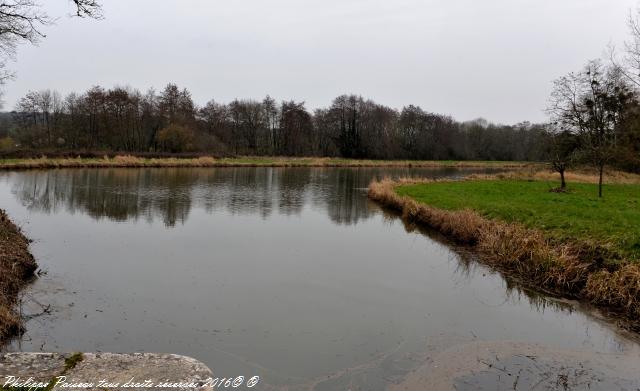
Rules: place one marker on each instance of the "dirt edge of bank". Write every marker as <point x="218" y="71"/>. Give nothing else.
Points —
<point x="17" y="267"/>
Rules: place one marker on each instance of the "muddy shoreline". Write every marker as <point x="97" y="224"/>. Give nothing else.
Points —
<point x="17" y="267"/>
<point x="561" y="269"/>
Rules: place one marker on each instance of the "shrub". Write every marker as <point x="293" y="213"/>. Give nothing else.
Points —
<point x="176" y="138"/>
<point x="7" y="144"/>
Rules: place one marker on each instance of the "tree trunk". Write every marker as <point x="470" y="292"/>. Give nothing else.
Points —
<point x="600" y="181"/>
<point x="563" y="184"/>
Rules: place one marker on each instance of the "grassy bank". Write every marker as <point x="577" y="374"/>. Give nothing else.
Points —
<point x="572" y="243"/>
<point x="205" y="161"/>
<point x="612" y="222"/>
<point x="16" y="270"/>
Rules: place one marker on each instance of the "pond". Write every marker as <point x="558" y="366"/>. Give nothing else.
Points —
<point x="291" y="274"/>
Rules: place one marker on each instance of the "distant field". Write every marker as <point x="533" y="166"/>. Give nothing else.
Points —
<point x="578" y="214"/>
<point x="133" y="161"/>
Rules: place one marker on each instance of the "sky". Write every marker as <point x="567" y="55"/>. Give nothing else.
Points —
<point x="494" y="59"/>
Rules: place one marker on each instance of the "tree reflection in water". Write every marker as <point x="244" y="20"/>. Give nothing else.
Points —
<point x="123" y="194"/>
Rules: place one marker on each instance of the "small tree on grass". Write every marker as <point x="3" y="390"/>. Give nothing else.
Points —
<point x="562" y="153"/>
<point x="591" y="104"/>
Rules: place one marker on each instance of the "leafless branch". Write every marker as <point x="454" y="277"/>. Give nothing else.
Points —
<point x="88" y="9"/>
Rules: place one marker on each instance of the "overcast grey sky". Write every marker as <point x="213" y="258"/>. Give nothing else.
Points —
<point x="468" y="58"/>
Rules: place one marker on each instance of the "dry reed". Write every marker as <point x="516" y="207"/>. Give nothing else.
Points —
<point x="208" y="161"/>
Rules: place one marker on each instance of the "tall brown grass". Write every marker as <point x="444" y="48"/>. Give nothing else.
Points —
<point x="582" y="175"/>
<point x="568" y="269"/>
<point x="208" y="161"/>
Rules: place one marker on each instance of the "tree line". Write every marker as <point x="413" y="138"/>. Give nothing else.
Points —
<point x="594" y="117"/>
<point x="121" y="119"/>
<point x="127" y="120"/>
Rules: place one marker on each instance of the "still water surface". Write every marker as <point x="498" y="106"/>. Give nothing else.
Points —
<point x="286" y="273"/>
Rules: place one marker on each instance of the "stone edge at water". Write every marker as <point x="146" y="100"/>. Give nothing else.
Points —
<point x="114" y="368"/>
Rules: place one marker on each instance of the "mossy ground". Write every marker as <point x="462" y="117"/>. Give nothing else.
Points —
<point x="69" y="363"/>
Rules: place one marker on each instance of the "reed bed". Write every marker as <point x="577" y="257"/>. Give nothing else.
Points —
<point x="571" y="269"/>
<point x="208" y="161"/>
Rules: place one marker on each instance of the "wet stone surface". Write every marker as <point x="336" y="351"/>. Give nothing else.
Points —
<point x="40" y="366"/>
<point x="100" y="371"/>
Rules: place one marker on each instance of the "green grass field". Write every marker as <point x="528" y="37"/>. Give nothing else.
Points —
<point x="579" y="214"/>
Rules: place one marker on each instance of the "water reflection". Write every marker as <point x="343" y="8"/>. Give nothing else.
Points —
<point x="467" y="266"/>
<point x="170" y="194"/>
<point x="263" y="271"/>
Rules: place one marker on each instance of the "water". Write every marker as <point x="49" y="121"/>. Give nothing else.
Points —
<point x="286" y="273"/>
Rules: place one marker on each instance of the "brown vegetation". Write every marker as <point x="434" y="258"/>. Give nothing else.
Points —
<point x="570" y="269"/>
<point x="208" y="161"/>
<point x="16" y="270"/>
<point x="582" y="175"/>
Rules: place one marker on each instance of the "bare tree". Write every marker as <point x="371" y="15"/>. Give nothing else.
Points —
<point x="345" y="112"/>
<point x="88" y="9"/>
<point x="563" y="147"/>
<point x="296" y="127"/>
<point x="629" y="63"/>
<point x="22" y="21"/>
<point x="271" y="118"/>
<point x="591" y="104"/>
